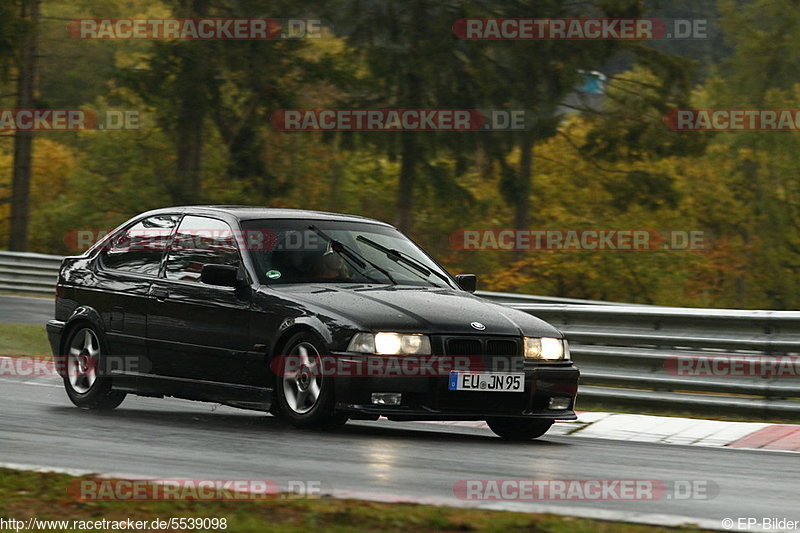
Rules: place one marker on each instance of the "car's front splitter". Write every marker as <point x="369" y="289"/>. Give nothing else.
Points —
<point x="371" y="412"/>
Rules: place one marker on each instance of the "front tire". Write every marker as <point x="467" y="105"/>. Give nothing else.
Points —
<point x="85" y="388"/>
<point x="305" y="397"/>
<point x="519" y="429"/>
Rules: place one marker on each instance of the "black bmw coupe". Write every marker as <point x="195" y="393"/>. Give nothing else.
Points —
<point x="315" y="317"/>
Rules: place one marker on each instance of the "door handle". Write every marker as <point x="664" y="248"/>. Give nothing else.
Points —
<point x="159" y="294"/>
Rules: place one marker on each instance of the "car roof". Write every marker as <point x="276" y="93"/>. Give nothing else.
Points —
<point x="249" y="212"/>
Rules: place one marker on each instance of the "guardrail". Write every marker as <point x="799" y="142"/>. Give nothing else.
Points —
<point x="700" y="361"/>
<point x="28" y="273"/>
<point x="628" y="354"/>
<point x="511" y="298"/>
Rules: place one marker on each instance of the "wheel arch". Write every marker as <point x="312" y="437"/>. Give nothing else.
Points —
<point x="290" y="328"/>
<point x="83" y="315"/>
<point x="286" y="333"/>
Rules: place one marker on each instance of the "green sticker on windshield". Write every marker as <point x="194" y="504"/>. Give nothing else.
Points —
<point x="273" y="274"/>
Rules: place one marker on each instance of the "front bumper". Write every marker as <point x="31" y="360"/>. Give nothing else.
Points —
<point x="429" y="398"/>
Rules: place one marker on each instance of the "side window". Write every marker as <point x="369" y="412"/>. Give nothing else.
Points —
<point x="200" y="241"/>
<point x="139" y="248"/>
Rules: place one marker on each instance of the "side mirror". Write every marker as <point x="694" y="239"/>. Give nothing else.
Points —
<point x="221" y="275"/>
<point x="468" y="282"/>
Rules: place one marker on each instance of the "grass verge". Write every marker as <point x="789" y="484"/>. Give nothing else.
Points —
<point x="45" y="496"/>
<point x="23" y="339"/>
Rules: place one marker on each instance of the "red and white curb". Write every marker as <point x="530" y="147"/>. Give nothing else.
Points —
<point x="673" y="430"/>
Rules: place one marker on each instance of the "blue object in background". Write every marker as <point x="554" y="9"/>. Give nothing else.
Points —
<point x="593" y="82"/>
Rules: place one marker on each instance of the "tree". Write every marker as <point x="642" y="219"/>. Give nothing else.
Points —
<point x="410" y="60"/>
<point x="195" y="85"/>
<point x="23" y="140"/>
<point x="765" y="163"/>
<point x="536" y="76"/>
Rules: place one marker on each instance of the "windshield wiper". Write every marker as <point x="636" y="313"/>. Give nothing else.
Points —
<point x="353" y="256"/>
<point x="400" y="257"/>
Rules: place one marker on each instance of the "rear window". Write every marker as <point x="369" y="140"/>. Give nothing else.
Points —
<point x="140" y="247"/>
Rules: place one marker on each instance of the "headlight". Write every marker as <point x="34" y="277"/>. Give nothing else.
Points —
<point x="546" y="348"/>
<point x="385" y="343"/>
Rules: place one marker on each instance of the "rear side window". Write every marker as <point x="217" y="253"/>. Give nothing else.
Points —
<point x="200" y="241"/>
<point x="139" y="248"/>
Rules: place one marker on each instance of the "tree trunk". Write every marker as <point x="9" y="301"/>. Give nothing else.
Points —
<point x="23" y="140"/>
<point x="190" y="151"/>
<point x="337" y="176"/>
<point x="405" y="187"/>
<point x="522" y="199"/>
<point x="410" y="97"/>
<point x="192" y="111"/>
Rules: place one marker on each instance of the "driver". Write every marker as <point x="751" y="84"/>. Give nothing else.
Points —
<point x="328" y="265"/>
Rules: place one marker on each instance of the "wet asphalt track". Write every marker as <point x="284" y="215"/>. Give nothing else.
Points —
<point x="378" y="460"/>
<point x="21" y="310"/>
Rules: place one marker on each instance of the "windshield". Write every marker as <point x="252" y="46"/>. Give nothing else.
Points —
<point x="305" y="251"/>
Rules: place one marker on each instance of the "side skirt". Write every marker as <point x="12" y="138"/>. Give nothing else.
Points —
<point x="239" y="396"/>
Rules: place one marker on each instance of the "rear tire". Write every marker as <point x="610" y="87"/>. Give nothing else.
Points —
<point x="306" y="398"/>
<point x="519" y="429"/>
<point x="87" y="390"/>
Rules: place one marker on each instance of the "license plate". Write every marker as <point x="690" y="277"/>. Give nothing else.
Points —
<point x="488" y="381"/>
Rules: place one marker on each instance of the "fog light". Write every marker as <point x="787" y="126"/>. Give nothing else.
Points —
<point x="559" y="403"/>
<point x="386" y="398"/>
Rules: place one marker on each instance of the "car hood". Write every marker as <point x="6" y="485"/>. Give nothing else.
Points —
<point x="415" y="309"/>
